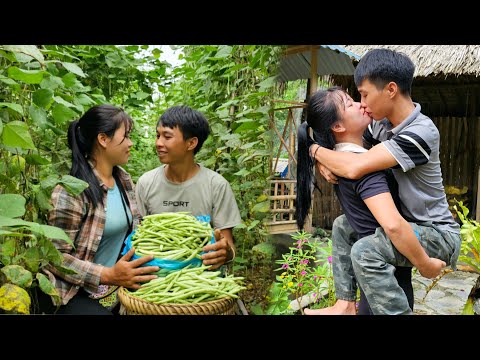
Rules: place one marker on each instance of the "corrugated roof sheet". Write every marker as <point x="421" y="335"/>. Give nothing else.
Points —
<point x="331" y="60"/>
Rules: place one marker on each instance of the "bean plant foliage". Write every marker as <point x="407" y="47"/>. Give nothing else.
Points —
<point x="470" y="232"/>
<point x="43" y="88"/>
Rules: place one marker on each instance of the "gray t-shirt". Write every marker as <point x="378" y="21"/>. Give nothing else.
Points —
<point x="415" y="144"/>
<point x="207" y="193"/>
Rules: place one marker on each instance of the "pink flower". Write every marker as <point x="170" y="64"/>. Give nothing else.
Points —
<point x="300" y="284"/>
<point x="303" y="272"/>
<point x="329" y="259"/>
<point x="304" y="261"/>
<point x="285" y="266"/>
<point x="315" y="277"/>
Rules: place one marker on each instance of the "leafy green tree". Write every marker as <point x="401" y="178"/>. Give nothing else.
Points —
<point x="42" y="89"/>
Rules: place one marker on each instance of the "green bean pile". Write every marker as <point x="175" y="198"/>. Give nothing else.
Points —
<point x="172" y="236"/>
<point x="189" y="285"/>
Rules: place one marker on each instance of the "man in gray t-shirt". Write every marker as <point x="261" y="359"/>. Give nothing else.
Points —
<point x="180" y="184"/>
<point x="408" y="142"/>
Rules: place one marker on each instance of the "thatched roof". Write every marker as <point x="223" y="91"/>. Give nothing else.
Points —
<point x="434" y="59"/>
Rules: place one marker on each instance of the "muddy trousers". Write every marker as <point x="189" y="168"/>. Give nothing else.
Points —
<point x="370" y="262"/>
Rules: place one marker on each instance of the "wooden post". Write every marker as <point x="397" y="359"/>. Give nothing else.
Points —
<point x="313" y="70"/>
<point x="313" y="89"/>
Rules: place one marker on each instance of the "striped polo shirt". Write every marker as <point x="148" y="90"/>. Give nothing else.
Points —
<point x="415" y="144"/>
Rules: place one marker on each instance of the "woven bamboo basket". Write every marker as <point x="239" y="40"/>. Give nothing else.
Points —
<point x="135" y="306"/>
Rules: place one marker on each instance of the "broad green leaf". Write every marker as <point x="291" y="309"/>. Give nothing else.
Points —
<point x="32" y="259"/>
<point x="253" y="224"/>
<point x="224" y="52"/>
<point x="133" y="48"/>
<point x="27" y="60"/>
<point x="43" y="200"/>
<point x="265" y="248"/>
<point x="60" y="100"/>
<point x="246" y="126"/>
<point x="53" y="232"/>
<point x="14" y="299"/>
<point x="45" y="230"/>
<point x="10" y="56"/>
<point x="42" y="97"/>
<point x="73" y="185"/>
<point x="62" y="114"/>
<point x="7" y="80"/>
<point x="12" y="205"/>
<point x="84" y="100"/>
<point x="240" y="260"/>
<point x="6" y="221"/>
<point x="141" y="95"/>
<point x="262" y="197"/>
<point x="15" y="134"/>
<point x="15" y="107"/>
<point x="50" y="252"/>
<point x="267" y="83"/>
<point x="27" y="76"/>
<point x="242" y="172"/>
<point x="30" y="50"/>
<point x="74" y="68"/>
<point x="8" y="247"/>
<point x="35" y="159"/>
<point x="55" y="129"/>
<point x="256" y="309"/>
<point x="64" y="269"/>
<point x="51" y="82"/>
<point x="49" y="183"/>
<point x="248" y="145"/>
<point x="10" y="233"/>
<point x="156" y="53"/>
<point x="17" y="275"/>
<point x="264" y="109"/>
<point x="69" y="80"/>
<point x="262" y="207"/>
<point x="38" y="115"/>
<point x="47" y="287"/>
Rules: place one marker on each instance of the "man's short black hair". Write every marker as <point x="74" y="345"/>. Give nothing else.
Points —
<point x="192" y="123"/>
<point x="381" y="66"/>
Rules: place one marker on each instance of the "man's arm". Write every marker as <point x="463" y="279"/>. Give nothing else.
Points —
<point x="401" y="234"/>
<point x="354" y="166"/>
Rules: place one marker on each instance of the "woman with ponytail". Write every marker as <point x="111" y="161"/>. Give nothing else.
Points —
<point x="98" y="220"/>
<point x="337" y="122"/>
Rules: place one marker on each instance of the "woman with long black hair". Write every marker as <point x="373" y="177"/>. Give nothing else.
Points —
<point x="369" y="203"/>
<point x="98" y="220"/>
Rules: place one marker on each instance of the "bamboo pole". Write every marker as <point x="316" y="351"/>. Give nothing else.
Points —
<point x="313" y="70"/>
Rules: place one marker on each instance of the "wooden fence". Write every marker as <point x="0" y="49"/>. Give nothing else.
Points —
<point x="282" y="190"/>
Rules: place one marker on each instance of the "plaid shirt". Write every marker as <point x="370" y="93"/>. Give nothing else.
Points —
<point x="84" y="225"/>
